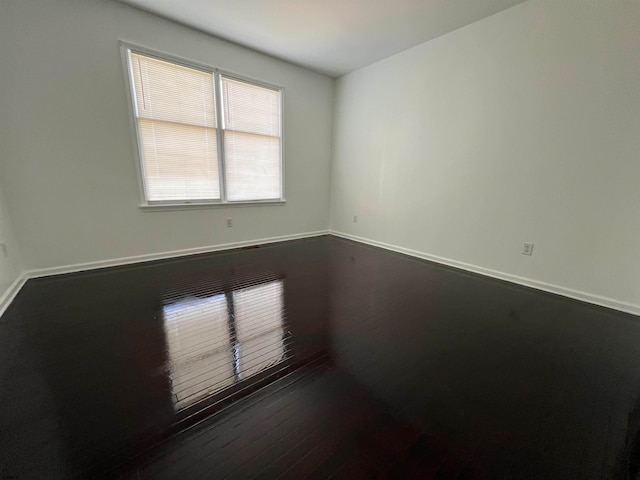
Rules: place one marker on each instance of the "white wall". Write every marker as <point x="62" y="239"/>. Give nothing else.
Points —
<point x="69" y="168"/>
<point x="522" y="127"/>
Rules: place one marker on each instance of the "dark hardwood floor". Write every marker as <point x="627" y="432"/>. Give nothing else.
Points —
<point x="317" y="358"/>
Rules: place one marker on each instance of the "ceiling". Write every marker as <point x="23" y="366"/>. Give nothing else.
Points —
<point x="333" y="37"/>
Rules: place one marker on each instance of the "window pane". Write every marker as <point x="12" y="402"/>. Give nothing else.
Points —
<point x="166" y="91"/>
<point x="253" y="166"/>
<point x="180" y="161"/>
<point x="251" y="108"/>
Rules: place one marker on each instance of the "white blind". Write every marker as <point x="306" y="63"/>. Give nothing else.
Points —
<point x="176" y="115"/>
<point x="251" y="140"/>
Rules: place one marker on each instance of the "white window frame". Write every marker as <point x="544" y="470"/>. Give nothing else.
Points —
<point x="125" y="49"/>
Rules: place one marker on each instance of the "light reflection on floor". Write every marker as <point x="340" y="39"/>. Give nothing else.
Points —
<point x="217" y="341"/>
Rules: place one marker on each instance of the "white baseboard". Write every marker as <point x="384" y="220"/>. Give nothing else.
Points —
<point x="12" y="291"/>
<point x="546" y="287"/>
<point x="16" y="286"/>
<point x="81" y="267"/>
<point x="7" y="297"/>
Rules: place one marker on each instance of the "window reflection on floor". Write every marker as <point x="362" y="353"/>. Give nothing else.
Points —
<point x="217" y="341"/>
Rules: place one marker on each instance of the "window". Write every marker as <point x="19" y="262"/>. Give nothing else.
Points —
<point x="218" y="341"/>
<point x="204" y="136"/>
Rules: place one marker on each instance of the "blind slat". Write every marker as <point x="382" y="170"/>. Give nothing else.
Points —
<point x="177" y="130"/>
<point x="253" y="166"/>
<point x="250" y="108"/>
<point x="251" y="140"/>
<point x="166" y="91"/>
<point x="180" y="161"/>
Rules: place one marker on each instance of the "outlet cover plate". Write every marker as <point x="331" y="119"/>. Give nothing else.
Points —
<point x="527" y="249"/>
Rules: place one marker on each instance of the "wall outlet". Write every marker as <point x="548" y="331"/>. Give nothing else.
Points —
<point x="527" y="249"/>
<point x="229" y="223"/>
<point x="4" y="249"/>
<point x="355" y="219"/>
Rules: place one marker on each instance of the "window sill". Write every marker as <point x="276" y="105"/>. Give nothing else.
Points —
<point x="160" y="207"/>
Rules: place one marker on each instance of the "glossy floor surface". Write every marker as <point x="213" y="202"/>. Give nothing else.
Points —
<point x="317" y="358"/>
